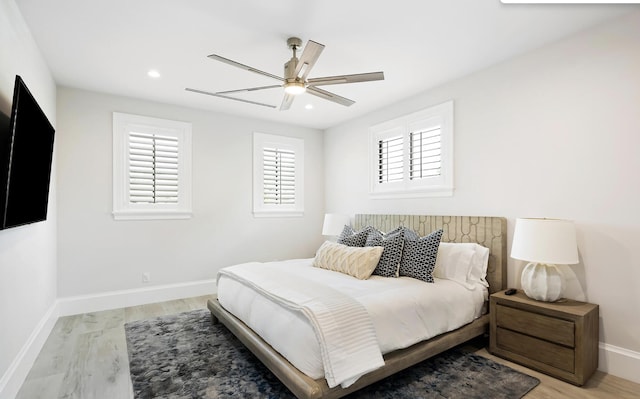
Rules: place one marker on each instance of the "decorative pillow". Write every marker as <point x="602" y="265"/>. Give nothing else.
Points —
<point x="419" y="256"/>
<point x="409" y="234"/>
<point x="354" y="261"/>
<point x="392" y="242"/>
<point x="354" y="238"/>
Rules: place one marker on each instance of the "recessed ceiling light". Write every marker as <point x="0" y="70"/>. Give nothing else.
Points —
<point x="153" y="73"/>
<point x="308" y="106"/>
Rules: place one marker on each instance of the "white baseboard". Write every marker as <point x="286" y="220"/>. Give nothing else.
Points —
<point x="125" y="298"/>
<point x="15" y="375"/>
<point x="621" y="362"/>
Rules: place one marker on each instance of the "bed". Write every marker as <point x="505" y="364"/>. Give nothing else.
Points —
<point x="489" y="232"/>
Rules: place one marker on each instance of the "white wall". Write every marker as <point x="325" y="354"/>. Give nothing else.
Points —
<point x="98" y="254"/>
<point x="27" y="253"/>
<point x="554" y="133"/>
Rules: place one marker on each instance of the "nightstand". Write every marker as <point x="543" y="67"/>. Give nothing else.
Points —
<point x="556" y="338"/>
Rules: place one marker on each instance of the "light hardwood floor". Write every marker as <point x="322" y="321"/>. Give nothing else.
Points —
<point x="85" y="357"/>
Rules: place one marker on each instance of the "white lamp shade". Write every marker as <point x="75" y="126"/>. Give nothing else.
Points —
<point x="334" y="224"/>
<point x="548" y="241"/>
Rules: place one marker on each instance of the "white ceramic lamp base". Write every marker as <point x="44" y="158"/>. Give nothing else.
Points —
<point x="542" y="282"/>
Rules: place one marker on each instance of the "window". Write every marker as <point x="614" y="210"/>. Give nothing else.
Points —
<point x="425" y="153"/>
<point x="279" y="174"/>
<point x="151" y="168"/>
<point x="278" y="188"/>
<point x="412" y="156"/>
<point x="390" y="159"/>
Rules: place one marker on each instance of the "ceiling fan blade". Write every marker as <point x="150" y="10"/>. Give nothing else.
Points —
<point x="242" y="66"/>
<point x="308" y="58"/>
<point x="229" y="97"/>
<point x="249" y="89"/>
<point x="286" y="101"/>
<point x="355" y="78"/>
<point x="329" y="96"/>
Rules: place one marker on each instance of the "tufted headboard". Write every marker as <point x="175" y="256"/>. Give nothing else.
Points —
<point x="488" y="231"/>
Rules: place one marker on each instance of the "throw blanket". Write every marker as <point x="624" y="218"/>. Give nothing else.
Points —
<point x="343" y="327"/>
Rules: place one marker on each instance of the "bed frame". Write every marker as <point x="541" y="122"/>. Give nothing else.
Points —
<point x="490" y="232"/>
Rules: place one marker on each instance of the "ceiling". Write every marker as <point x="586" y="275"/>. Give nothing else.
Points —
<point x="109" y="46"/>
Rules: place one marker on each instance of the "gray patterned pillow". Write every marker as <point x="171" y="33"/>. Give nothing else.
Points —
<point x="410" y="234"/>
<point x="354" y="238"/>
<point x="419" y="256"/>
<point x="392" y="242"/>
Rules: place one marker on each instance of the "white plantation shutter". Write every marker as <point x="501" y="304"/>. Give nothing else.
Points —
<point x="391" y="159"/>
<point x="278" y="186"/>
<point x="425" y="153"/>
<point x="152" y="168"/>
<point x="279" y="179"/>
<point x="413" y="154"/>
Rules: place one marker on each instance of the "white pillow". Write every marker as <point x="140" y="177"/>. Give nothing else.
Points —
<point x="454" y="261"/>
<point x="479" y="264"/>
<point x="358" y="262"/>
<point x="465" y="263"/>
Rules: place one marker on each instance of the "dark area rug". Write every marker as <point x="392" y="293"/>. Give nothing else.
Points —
<point x="186" y="356"/>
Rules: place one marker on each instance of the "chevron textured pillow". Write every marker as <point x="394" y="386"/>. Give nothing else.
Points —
<point x="354" y="261"/>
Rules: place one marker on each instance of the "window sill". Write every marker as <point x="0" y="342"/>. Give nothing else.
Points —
<point x="151" y="215"/>
<point x="423" y="193"/>
<point x="278" y="214"/>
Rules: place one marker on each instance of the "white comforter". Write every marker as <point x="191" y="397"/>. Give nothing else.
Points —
<point x="403" y="311"/>
<point x="342" y="326"/>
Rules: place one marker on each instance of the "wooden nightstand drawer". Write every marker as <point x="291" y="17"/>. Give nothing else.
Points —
<point x="554" y="355"/>
<point x="536" y="325"/>
<point x="559" y="338"/>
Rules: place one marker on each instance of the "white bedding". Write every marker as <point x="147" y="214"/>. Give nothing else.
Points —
<point x="341" y="324"/>
<point x="403" y="310"/>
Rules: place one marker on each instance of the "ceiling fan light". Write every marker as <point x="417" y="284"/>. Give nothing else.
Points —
<point x="294" y="88"/>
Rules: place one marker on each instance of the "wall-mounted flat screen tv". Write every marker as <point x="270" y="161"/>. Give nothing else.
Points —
<point x="26" y="152"/>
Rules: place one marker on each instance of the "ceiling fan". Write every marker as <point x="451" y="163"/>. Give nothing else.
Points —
<point x="295" y="77"/>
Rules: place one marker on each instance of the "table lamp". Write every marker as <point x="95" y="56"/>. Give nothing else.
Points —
<point x="544" y="243"/>
<point x="334" y="224"/>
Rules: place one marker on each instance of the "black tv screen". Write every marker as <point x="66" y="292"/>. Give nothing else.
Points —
<point x="26" y="152"/>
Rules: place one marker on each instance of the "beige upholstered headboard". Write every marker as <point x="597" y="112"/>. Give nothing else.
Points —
<point x="490" y="232"/>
